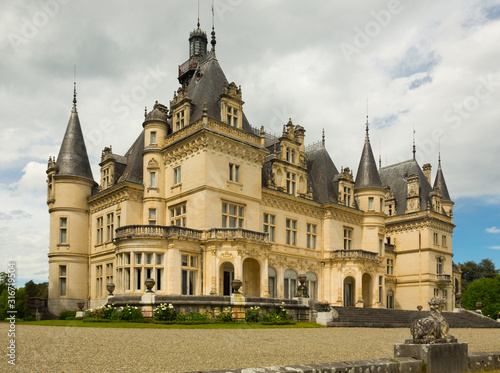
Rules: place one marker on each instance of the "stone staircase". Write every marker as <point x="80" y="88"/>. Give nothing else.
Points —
<point x="384" y="318"/>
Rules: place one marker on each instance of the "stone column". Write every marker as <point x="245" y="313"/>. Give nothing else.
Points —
<point x="264" y="281"/>
<point x="280" y="280"/>
<point x="359" y="290"/>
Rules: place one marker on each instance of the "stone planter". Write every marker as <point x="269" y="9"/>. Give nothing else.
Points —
<point x="80" y="304"/>
<point x="302" y="279"/>
<point x="149" y="285"/>
<point x="110" y="287"/>
<point x="419" y="308"/>
<point x="236" y="284"/>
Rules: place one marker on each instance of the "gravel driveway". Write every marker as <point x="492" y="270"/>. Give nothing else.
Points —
<point x="67" y="349"/>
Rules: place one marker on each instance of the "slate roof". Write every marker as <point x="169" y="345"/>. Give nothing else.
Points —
<point x="367" y="175"/>
<point x="394" y="176"/>
<point x="441" y="184"/>
<point x="73" y="159"/>
<point x="321" y="171"/>
<point x="206" y="85"/>
<point x="133" y="170"/>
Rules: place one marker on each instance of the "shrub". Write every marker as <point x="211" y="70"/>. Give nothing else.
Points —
<point x="253" y="315"/>
<point x="64" y="314"/>
<point x="165" y="312"/>
<point x="29" y="318"/>
<point x="225" y="316"/>
<point x="270" y="318"/>
<point x="283" y="315"/>
<point x="105" y="312"/>
<point x="130" y="313"/>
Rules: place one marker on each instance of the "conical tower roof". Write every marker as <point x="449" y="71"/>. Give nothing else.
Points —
<point x="441" y="183"/>
<point x="367" y="175"/>
<point x="73" y="159"/>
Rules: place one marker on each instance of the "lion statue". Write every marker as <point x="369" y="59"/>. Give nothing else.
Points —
<point x="433" y="326"/>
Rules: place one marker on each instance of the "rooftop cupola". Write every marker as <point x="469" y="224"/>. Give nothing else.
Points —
<point x="440" y="184"/>
<point x="197" y="42"/>
<point x="367" y="175"/>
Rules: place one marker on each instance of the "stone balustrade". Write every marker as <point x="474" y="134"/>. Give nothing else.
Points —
<point x="354" y="254"/>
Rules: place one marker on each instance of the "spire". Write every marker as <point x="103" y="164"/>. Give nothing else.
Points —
<point x="441" y="183"/>
<point x="213" y="42"/>
<point x="367" y="175"/>
<point x="323" y="138"/>
<point x="414" y="148"/>
<point x="73" y="159"/>
<point x="74" y="92"/>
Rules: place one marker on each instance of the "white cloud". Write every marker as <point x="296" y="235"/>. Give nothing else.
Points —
<point x="493" y="230"/>
<point x="494" y="247"/>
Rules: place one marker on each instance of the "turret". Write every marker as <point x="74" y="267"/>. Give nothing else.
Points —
<point x="369" y="195"/>
<point x="446" y="202"/>
<point x="69" y="185"/>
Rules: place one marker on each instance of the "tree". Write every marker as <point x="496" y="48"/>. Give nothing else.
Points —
<point x="487" y="291"/>
<point x="487" y="269"/>
<point x="471" y="271"/>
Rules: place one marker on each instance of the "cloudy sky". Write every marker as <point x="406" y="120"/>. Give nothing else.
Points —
<point x="431" y="65"/>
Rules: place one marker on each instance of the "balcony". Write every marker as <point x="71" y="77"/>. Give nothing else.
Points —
<point x="354" y="254"/>
<point x="390" y="248"/>
<point x="173" y="231"/>
<point x="443" y="278"/>
<point x="190" y="64"/>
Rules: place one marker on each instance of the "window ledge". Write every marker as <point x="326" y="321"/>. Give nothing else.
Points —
<point x="61" y="246"/>
<point x="176" y="186"/>
<point x="153" y="188"/>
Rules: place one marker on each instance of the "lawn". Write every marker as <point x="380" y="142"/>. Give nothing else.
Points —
<point x="125" y="324"/>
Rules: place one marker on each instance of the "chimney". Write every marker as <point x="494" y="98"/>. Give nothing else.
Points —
<point x="427" y="172"/>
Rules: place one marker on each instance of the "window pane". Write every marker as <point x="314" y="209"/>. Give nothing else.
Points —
<point x="184" y="260"/>
<point x="194" y="261"/>
<point x="63" y="222"/>
<point x="62" y="270"/>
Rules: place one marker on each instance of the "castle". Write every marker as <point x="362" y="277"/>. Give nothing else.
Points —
<point x="202" y="198"/>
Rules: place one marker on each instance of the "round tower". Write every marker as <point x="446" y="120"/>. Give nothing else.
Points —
<point x="69" y="185"/>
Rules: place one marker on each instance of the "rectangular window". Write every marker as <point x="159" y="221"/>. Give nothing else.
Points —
<point x="178" y="215"/>
<point x="149" y="258"/>
<point x="62" y="281"/>
<point x="347" y="238"/>
<point x="99" y="237"/>
<point x="291" y="232"/>
<point x="138" y="258"/>
<point x="232" y="116"/>
<point x="127" y="278"/>
<point x="63" y="230"/>
<point x="381" y="205"/>
<point x="152" y="179"/>
<point x="436" y="237"/>
<point x="444" y="241"/>
<point x="127" y="258"/>
<point x="152" y="217"/>
<point x="109" y="227"/>
<point x="436" y="292"/>
<point x="179" y="120"/>
<point x="159" y="279"/>
<point x="311" y="236"/>
<point x="234" y="173"/>
<point x="105" y="178"/>
<point x="380" y="288"/>
<point x="347" y="196"/>
<point x="290" y="183"/>
<point x="153" y="138"/>
<point x="189" y="265"/>
<point x="159" y="259"/>
<point x="232" y="215"/>
<point x="109" y="273"/>
<point x="370" y="203"/>
<point x="390" y="266"/>
<point x="98" y="281"/>
<point x="380" y="247"/>
<point x="287" y="152"/>
<point x="138" y="278"/>
<point x="292" y="157"/>
<point x="118" y="220"/>
<point x="270" y="226"/>
<point x="177" y="175"/>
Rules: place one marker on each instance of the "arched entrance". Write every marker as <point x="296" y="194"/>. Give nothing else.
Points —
<point x="349" y="291"/>
<point x="226" y="276"/>
<point x="366" y="284"/>
<point x="290" y="285"/>
<point x="251" y="278"/>
<point x="271" y="282"/>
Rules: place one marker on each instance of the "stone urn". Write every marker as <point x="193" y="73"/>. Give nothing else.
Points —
<point x="302" y="279"/>
<point x="80" y="304"/>
<point x="419" y="308"/>
<point x="110" y="287"/>
<point x="149" y="285"/>
<point x="236" y="284"/>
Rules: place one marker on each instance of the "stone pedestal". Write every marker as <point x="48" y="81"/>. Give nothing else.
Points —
<point x="238" y="305"/>
<point x="437" y="357"/>
<point x="324" y="318"/>
<point x="80" y="314"/>
<point x="147" y="302"/>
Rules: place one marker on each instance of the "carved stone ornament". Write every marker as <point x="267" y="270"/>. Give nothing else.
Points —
<point x="433" y="328"/>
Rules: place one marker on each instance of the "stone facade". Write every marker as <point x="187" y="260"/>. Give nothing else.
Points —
<point x="202" y="198"/>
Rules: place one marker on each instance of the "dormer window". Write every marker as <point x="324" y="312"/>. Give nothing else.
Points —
<point x="232" y="116"/>
<point x="292" y="156"/>
<point x="105" y="178"/>
<point x="290" y="183"/>
<point x="179" y="120"/>
<point x="347" y="196"/>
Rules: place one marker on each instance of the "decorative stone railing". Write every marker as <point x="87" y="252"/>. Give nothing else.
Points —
<point x="389" y="247"/>
<point x="234" y="233"/>
<point x="443" y="278"/>
<point x="354" y="254"/>
<point x="216" y="126"/>
<point x="161" y="231"/>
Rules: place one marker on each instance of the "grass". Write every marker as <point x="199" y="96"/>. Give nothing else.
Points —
<point x="125" y="324"/>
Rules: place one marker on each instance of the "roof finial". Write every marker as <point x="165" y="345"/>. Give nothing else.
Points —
<point x="379" y="155"/>
<point x="439" y="156"/>
<point x="367" y="137"/>
<point x="74" y="90"/>
<point x="414" y="148"/>
<point x="323" y="138"/>
<point x="213" y="42"/>
<point x="198" y="13"/>
<point x="145" y="111"/>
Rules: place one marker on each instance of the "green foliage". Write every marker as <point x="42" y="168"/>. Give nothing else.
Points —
<point x="271" y="318"/>
<point x="253" y="315"/>
<point x="194" y="316"/>
<point x="486" y="291"/>
<point x="65" y="314"/>
<point x="472" y="271"/>
<point x="283" y="314"/>
<point x="165" y="312"/>
<point x="105" y="312"/>
<point x="225" y="316"/>
<point x="130" y="313"/>
<point x="3" y="304"/>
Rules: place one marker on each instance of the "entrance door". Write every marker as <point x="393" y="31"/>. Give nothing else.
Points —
<point x="227" y="278"/>
<point x="349" y="283"/>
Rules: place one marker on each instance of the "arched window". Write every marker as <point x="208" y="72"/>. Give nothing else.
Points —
<point x="290" y="285"/>
<point x="439" y="266"/>
<point x="271" y="283"/>
<point x="312" y="285"/>
<point x="390" y="299"/>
